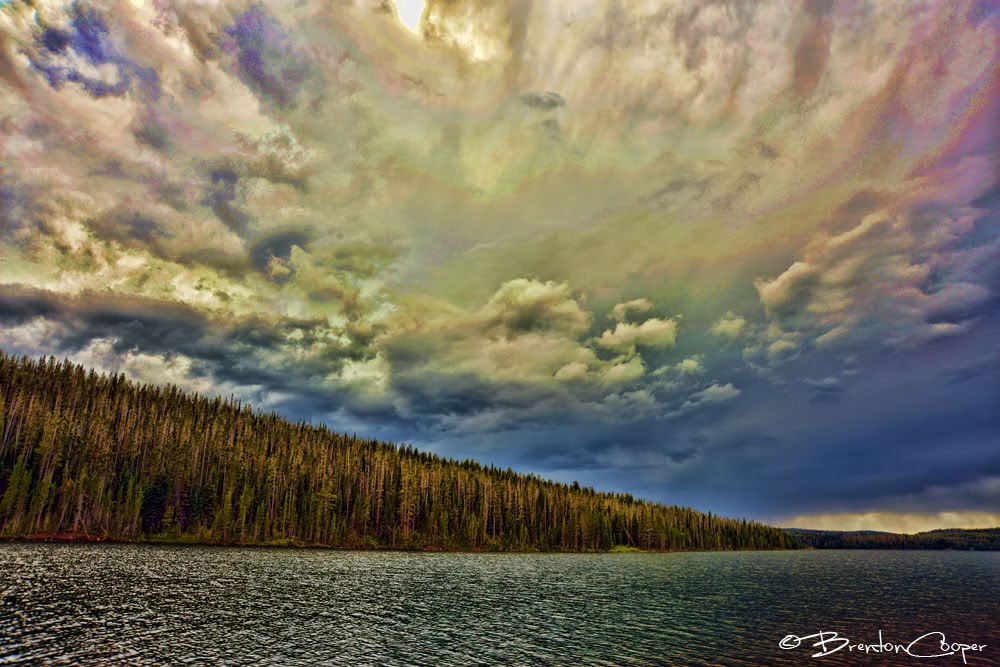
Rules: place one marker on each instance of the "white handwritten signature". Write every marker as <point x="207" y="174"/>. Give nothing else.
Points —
<point x="922" y="647"/>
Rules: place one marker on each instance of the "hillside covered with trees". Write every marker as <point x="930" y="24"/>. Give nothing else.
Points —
<point x="978" y="539"/>
<point x="92" y="456"/>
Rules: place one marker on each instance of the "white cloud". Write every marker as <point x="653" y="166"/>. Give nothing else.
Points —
<point x="653" y="332"/>
<point x="895" y="278"/>
<point x="729" y="326"/>
<point x="689" y="367"/>
<point x="716" y="393"/>
<point x="29" y="338"/>
<point x="524" y="305"/>
<point x="621" y="310"/>
<point x="159" y="369"/>
<point x="711" y="395"/>
<point x="625" y="371"/>
<point x="572" y="371"/>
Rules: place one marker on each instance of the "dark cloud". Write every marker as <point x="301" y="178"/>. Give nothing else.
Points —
<point x="266" y="60"/>
<point x="134" y="323"/>
<point x="244" y="353"/>
<point x="988" y="368"/>
<point x="984" y="239"/>
<point x="989" y="199"/>
<point x="364" y="260"/>
<point x="980" y="10"/>
<point x="153" y="133"/>
<point x="89" y="38"/>
<point x="55" y="40"/>
<point x="142" y="228"/>
<point x="233" y="265"/>
<point x="883" y="444"/>
<point x="433" y="395"/>
<point x="18" y="208"/>
<point x="552" y="129"/>
<point x="224" y="184"/>
<point x="131" y="323"/>
<point x="20" y="304"/>
<point x="824" y="390"/>
<point x="132" y="228"/>
<point x="277" y="246"/>
<point x="948" y="447"/>
<point x="220" y="195"/>
<point x="810" y="57"/>
<point x="542" y="101"/>
<point x="819" y="7"/>
<point x="678" y="189"/>
<point x="273" y="169"/>
<point x="767" y="151"/>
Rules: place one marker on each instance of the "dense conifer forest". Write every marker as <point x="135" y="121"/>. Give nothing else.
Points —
<point x="93" y="456"/>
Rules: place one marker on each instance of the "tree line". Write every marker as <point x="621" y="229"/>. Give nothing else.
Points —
<point x="975" y="539"/>
<point x="85" y="455"/>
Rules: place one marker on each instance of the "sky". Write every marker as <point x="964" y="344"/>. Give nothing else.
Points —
<point x="743" y="257"/>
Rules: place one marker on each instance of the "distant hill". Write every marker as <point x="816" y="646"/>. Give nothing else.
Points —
<point x="854" y="532"/>
<point x="91" y="456"/>
<point x="981" y="539"/>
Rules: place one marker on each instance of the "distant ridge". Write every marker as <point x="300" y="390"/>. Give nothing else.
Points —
<point x="853" y="532"/>
<point x="91" y="456"/>
<point x="978" y="539"/>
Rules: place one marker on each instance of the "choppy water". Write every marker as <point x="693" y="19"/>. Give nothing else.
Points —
<point x="143" y="605"/>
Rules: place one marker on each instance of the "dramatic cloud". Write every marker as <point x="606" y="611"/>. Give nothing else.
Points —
<point x="918" y="284"/>
<point x="653" y="333"/>
<point x="665" y="247"/>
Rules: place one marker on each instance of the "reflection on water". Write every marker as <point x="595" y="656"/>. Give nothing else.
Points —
<point x="142" y="605"/>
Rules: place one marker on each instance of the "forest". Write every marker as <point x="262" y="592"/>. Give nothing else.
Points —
<point x="92" y="456"/>
<point x="978" y="539"/>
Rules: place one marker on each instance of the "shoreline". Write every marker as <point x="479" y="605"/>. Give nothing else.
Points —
<point x="65" y="538"/>
<point x="68" y="538"/>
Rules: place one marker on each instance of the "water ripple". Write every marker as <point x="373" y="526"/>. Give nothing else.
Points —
<point x="71" y="604"/>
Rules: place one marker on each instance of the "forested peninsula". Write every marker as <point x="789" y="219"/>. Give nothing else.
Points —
<point x="95" y="456"/>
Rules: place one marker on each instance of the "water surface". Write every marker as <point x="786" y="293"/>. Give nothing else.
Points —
<point x="144" y="605"/>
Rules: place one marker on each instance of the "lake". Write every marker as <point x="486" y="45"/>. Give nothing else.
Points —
<point x="98" y="604"/>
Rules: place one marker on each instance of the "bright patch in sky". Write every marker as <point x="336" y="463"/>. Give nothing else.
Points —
<point x="409" y="12"/>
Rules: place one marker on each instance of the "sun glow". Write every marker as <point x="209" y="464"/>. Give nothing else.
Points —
<point x="410" y="12"/>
